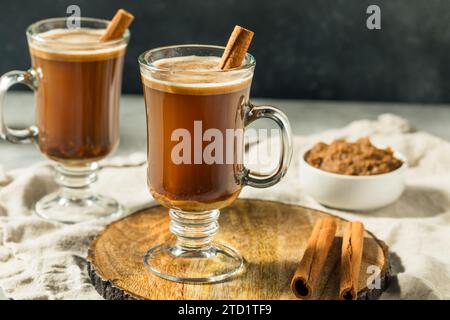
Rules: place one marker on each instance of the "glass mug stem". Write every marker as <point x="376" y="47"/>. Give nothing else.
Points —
<point x="193" y="257"/>
<point x="75" y="196"/>
<point x="194" y="231"/>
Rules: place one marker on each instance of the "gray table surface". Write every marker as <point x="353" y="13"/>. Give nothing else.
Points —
<point x="306" y="117"/>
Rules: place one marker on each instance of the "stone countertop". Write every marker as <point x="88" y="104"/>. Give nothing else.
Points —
<point x="305" y="116"/>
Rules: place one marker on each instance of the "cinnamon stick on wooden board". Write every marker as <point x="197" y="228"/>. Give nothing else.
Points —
<point x="351" y="255"/>
<point x="304" y="282"/>
<point x="236" y="48"/>
<point x="118" y="25"/>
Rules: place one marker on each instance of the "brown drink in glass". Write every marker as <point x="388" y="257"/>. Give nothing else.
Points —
<point x="196" y="117"/>
<point x="194" y="185"/>
<point x="78" y="98"/>
<point x="77" y="82"/>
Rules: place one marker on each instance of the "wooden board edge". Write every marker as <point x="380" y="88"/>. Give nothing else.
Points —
<point x="106" y="288"/>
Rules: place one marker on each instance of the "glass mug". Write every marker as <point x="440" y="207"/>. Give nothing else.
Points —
<point x="182" y="104"/>
<point x="77" y="84"/>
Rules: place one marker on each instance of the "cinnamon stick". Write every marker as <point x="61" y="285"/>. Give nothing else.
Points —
<point x="319" y="244"/>
<point x="236" y="48"/>
<point x="351" y="255"/>
<point x="118" y="25"/>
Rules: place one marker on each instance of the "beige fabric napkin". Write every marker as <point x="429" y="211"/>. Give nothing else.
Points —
<point x="44" y="260"/>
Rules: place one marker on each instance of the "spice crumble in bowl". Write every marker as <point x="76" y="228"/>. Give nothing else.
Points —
<point x="358" y="158"/>
<point x="352" y="175"/>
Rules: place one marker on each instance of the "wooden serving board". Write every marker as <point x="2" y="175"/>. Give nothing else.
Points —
<point x="270" y="235"/>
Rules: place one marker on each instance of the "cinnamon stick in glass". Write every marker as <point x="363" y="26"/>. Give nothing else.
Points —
<point x="118" y="25"/>
<point x="351" y="256"/>
<point x="236" y="48"/>
<point x="319" y="244"/>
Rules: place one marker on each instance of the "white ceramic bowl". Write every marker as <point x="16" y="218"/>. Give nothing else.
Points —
<point x="355" y="193"/>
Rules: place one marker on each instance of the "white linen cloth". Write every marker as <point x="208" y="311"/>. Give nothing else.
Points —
<point x="45" y="260"/>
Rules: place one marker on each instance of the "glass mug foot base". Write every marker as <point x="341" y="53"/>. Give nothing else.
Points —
<point x="217" y="263"/>
<point x="56" y="207"/>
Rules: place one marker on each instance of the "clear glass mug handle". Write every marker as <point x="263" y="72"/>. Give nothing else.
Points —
<point x="28" y="78"/>
<point x="259" y="180"/>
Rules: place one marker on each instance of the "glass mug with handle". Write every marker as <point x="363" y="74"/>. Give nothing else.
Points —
<point x="196" y="116"/>
<point x="77" y="84"/>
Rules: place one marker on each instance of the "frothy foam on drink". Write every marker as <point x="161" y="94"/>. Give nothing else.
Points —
<point x="74" y="42"/>
<point x="189" y="63"/>
<point x="195" y="75"/>
<point x="78" y="36"/>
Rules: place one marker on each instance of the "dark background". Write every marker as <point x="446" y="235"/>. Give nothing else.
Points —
<point x="304" y="49"/>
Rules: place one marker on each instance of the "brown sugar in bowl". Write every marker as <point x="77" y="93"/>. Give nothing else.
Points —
<point x="359" y="158"/>
<point x="347" y="177"/>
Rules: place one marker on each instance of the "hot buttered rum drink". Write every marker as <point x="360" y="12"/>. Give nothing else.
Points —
<point x="78" y="94"/>
<point x="196" y="98"/>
